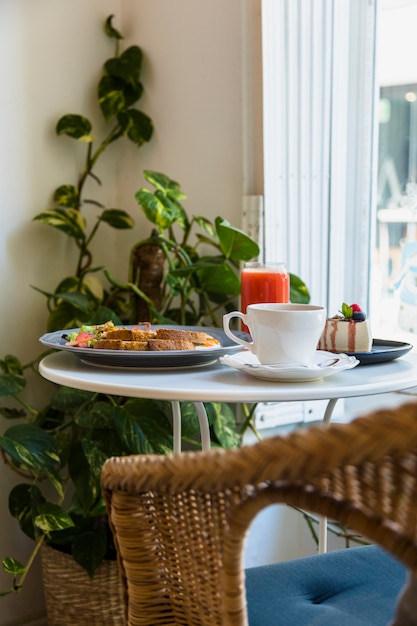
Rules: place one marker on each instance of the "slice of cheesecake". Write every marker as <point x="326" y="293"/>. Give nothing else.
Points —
<point x="349" y="332"/>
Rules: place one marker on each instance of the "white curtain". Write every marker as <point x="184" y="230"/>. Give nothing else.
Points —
<point x="318" y="104"/>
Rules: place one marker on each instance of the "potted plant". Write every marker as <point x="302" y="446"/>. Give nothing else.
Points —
<point x="184" y="271"/>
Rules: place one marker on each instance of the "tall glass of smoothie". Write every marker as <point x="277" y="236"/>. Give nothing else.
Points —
<point x="264" y="282"/>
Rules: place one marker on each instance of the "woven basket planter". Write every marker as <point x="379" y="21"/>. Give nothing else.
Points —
<point x="72" y="599"/>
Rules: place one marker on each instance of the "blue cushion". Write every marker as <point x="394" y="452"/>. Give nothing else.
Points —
<point x="352" y="587"/>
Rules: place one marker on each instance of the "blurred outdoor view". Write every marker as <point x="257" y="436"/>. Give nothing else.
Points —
<point x="394" y="267"/>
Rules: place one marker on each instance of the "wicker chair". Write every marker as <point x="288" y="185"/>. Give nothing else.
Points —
<point x="179" y="523"/>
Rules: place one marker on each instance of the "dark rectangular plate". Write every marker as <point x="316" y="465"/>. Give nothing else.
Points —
<point x="382" y="351"/>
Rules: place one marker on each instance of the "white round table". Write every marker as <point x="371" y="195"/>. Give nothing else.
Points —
<point x="220" y="383"/>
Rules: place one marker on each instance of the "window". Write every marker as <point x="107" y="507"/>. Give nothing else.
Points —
<point x="318" y="104"/>
<point x="318" y="70"/>
<point x="340" y="152"/>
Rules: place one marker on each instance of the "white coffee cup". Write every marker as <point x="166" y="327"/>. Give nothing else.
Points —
<point x="281" y="333"/>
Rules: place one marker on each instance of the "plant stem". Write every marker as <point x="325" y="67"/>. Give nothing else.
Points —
<point x="90" y="161"/>
<point x="30" y="409"/>
<point x="17" y="584"/>
<point x="248" y="423"/>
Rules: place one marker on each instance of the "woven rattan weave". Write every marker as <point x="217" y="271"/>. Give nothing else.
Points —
<point x="180" y="521"/>
<point x="72" y="599"/>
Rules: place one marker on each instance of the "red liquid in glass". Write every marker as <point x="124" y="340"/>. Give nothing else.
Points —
<point x="263" y="285"/>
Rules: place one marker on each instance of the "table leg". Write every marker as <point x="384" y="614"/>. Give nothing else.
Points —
<point x="202" y="420"/>
<point x="176" y="425"/>
<point x="204" y="426"/>
<point x="323" y="520"/>
<point x="322" y="534"/>
<point x="329" y="411"/>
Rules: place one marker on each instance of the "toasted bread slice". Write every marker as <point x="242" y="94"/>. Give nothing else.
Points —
<point x="135" y="345"/>
<point x="197" y="338"/>
<point x="108" y="344"/>
<point x="130" y="334"/>
<point x="119" y="344"/>
<point x="169" y="344"/>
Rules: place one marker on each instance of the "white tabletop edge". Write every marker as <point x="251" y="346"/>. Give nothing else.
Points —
<point x="223" y="384"/>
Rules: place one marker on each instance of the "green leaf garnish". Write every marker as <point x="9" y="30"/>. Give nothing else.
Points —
<point x="347" y="310"/>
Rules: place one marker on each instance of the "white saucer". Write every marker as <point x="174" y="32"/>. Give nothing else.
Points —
<point x="296" y="373"/>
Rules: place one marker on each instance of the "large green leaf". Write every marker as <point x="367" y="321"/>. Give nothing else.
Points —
<point x="95" y="457"/>
<point x="165" y="184"/>
<point x="63" y="445"/>
<point x="153" y="422"/>
<point x="24" y="501"/>
<point x="224" y="424"/>
<point x="33" y="449"/>
<point x="11" y="365"/>
<point x="81" y="295"/>
<point x="51" y="518"/>
<point x="108" y="442"/>
<point x="130" y="432"/>
<point x="69" y="283"/>
<point x="70" y="400"/>
<point x="89" y="549"/>
<point x="220" y="417"/>
<point x="69" y="221"/>
<point x="299" y="292"/>
<point x="158" y="208"/>
<point x="13" y="567"/>
<point x="137" y="126"/>
<point x="114" y="95"/>
<point x="203" y="239"/>
<point x="96" y="415"/>
<point x="77" y="300"/>
<point x="63" y="316"/>
<point x="117" y="218"/>
<point x="235" y="244"/>
<point x="174" y="208"/>
<point x="11" y="384"/>
<point x="190" y="427"/>
<point x="111" y="96"/>
<point x="127" y="66"/>
<point x="103" y="314"/>
<point x="218" y="278"/>
<point x="75" y="126"/>
<point x="86" y="484"/>
<point x="12" y="413"/>
<point x="67" y="196"/>
<point x="30" y="446"/>
<point x="205" y="225"/>
<point x="93" y="287"/>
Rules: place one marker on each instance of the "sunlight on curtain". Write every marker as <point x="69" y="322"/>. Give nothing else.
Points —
<point x="318" y="87"/>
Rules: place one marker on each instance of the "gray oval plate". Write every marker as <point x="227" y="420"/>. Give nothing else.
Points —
<point x="132" y="358"/>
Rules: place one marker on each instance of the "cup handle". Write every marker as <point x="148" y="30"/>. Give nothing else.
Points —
<point x="232" y="336"/>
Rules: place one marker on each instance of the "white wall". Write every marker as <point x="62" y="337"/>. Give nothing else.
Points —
<point x="52" y="52"/>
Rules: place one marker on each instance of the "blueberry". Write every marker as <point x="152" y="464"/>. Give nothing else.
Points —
<point x="358" y="316"/>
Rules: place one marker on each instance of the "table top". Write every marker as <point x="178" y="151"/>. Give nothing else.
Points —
<point x="216" y="382"/>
